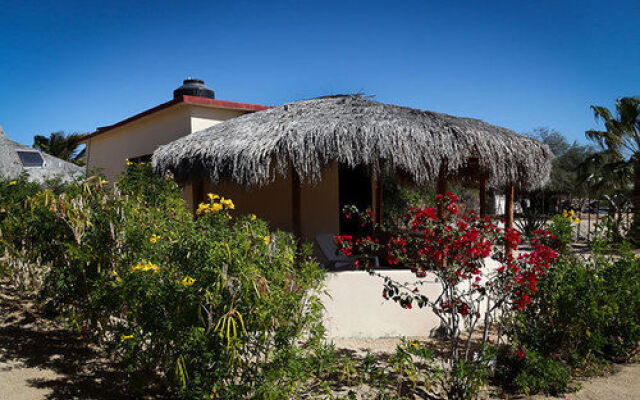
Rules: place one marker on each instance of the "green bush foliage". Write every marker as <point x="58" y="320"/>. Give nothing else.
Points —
<point x="561" y="227"/>
<point x="529" y="373"/>
<point x="218" y="306"/>
<point x="587" y="307"/>
<point x="31" y="238"/>
<point x="586" y="314"/>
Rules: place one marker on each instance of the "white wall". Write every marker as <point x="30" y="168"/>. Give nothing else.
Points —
<point x="355" y="307"/>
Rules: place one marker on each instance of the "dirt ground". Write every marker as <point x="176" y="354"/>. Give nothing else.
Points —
<point x="41" y="360"/>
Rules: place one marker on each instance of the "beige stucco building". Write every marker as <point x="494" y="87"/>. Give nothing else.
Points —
<point x="192" y="108"/>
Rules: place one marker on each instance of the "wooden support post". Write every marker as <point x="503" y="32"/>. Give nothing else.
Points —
<point x="197" y="193"/>
<point x="508" y="212"/>
<point x="296" y="204"/>
<point x="483" y="195"/>
<point x="377" y="187"/>
<point x="441" y="187"/>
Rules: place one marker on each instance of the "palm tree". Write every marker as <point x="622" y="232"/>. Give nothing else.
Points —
<point x="62" y="146"/>
<point x="620" y="144"/>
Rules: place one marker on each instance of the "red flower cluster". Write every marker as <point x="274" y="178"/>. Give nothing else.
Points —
<point x="454" y="246"/>
<point x="512" y="238"/>
<point x="461" y="307"/>
<point x="344" y="244"/>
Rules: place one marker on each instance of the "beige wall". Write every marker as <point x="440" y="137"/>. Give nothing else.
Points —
<point x="354" y="307"/>
<point x="319" y="203"/>
<point x="204" y="117"/>
<point x="107" y="152"/>
<point x="271" y="202"/>
<point x="320" y="206"/>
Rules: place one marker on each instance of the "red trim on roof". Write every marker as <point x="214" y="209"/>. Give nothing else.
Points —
<point x="232" y="105"/>
<point x="223" y="103"/>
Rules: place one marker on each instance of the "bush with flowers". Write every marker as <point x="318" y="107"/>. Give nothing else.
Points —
<point x="453" y="246"/>
<point x="215" y="304"/>
<point x="561" y="227"/>
<point x="30" y="236"/>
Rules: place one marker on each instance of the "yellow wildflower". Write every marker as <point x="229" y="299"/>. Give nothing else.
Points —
<point x="267" y="239"/>
<point x="187" y="281"/>
<point x="565" y="213"/>
<point x="228" y="204"/>
<point x="125" y="337"/>
<point x="202" y="208"/>
<point x="253" y="216"/>
<point x="144" y="267"/>
<point x="154" y="238"/>
<point x="577" y="221"/>
<point x="213" y="196"/>
<point x="128" y="162"/>
<point x="215" y="207"/>
<point x="115" y="274"/>
<point x="572" y="213"/>
<point x="12" y="183"/>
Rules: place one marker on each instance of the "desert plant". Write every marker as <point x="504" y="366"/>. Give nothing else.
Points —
<point x="530" y="223"/>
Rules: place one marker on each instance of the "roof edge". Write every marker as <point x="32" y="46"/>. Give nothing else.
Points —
<point x="203" y="101"/>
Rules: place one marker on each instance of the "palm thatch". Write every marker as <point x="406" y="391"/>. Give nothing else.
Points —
<point x="353" y="130"/>
<point x="52" y="168"/>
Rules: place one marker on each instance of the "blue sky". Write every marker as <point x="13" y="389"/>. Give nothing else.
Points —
<point x="74" y="66"/>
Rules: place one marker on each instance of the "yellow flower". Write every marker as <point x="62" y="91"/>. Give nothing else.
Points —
<point x="12" y="183"/>
<point x="154" y="238"/>
<point x="215" y="207"/>
<point x="213" y="196"/>
<point x="228" y="204"/>
<point x="202" y="208"/>
<point x="125" y="337"/>
<point x="144" y="267"/>
<point x="414" y="343"/>
<point x="187" y="281"/>
<point x="253" y="216"/>
<point x="267" y="239"/>
<point x="564" y="213"/>
<point x="128" y="162"/>
<point x="115" y="274"/>
<point x="577" y="221"/>
<point x="572" y="213"/>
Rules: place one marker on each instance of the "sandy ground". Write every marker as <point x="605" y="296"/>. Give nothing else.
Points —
<point x="40" y="360"/>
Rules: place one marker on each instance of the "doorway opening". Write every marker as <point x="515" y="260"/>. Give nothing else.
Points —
<point x="354" y="189"/>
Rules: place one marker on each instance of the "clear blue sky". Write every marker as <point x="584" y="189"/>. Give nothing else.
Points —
<point x="74" y="66"/>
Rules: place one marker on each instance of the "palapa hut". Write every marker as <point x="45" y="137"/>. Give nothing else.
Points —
<point x="296" y="165"/>
<point x="16" y="159"/>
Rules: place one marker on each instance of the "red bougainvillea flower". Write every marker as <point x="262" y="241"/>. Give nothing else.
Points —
<point x="453" y="246"/>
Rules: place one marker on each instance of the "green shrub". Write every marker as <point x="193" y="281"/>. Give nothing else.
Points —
<point x="31" y="237"/>
<point x="529" y="373"/>
<point x="217" y="305"/>
<point x="561" y="227"/>
<point x="587" y="308"/>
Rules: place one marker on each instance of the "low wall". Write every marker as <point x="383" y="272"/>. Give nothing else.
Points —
<point x="355" y="307"/>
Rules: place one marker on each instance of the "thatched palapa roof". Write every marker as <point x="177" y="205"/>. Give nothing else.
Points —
<point x="11" y="166"/>
<point x="309" y="134"/>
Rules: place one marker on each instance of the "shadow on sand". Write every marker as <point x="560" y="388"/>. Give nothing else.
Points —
<point x="78" y="371"/>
